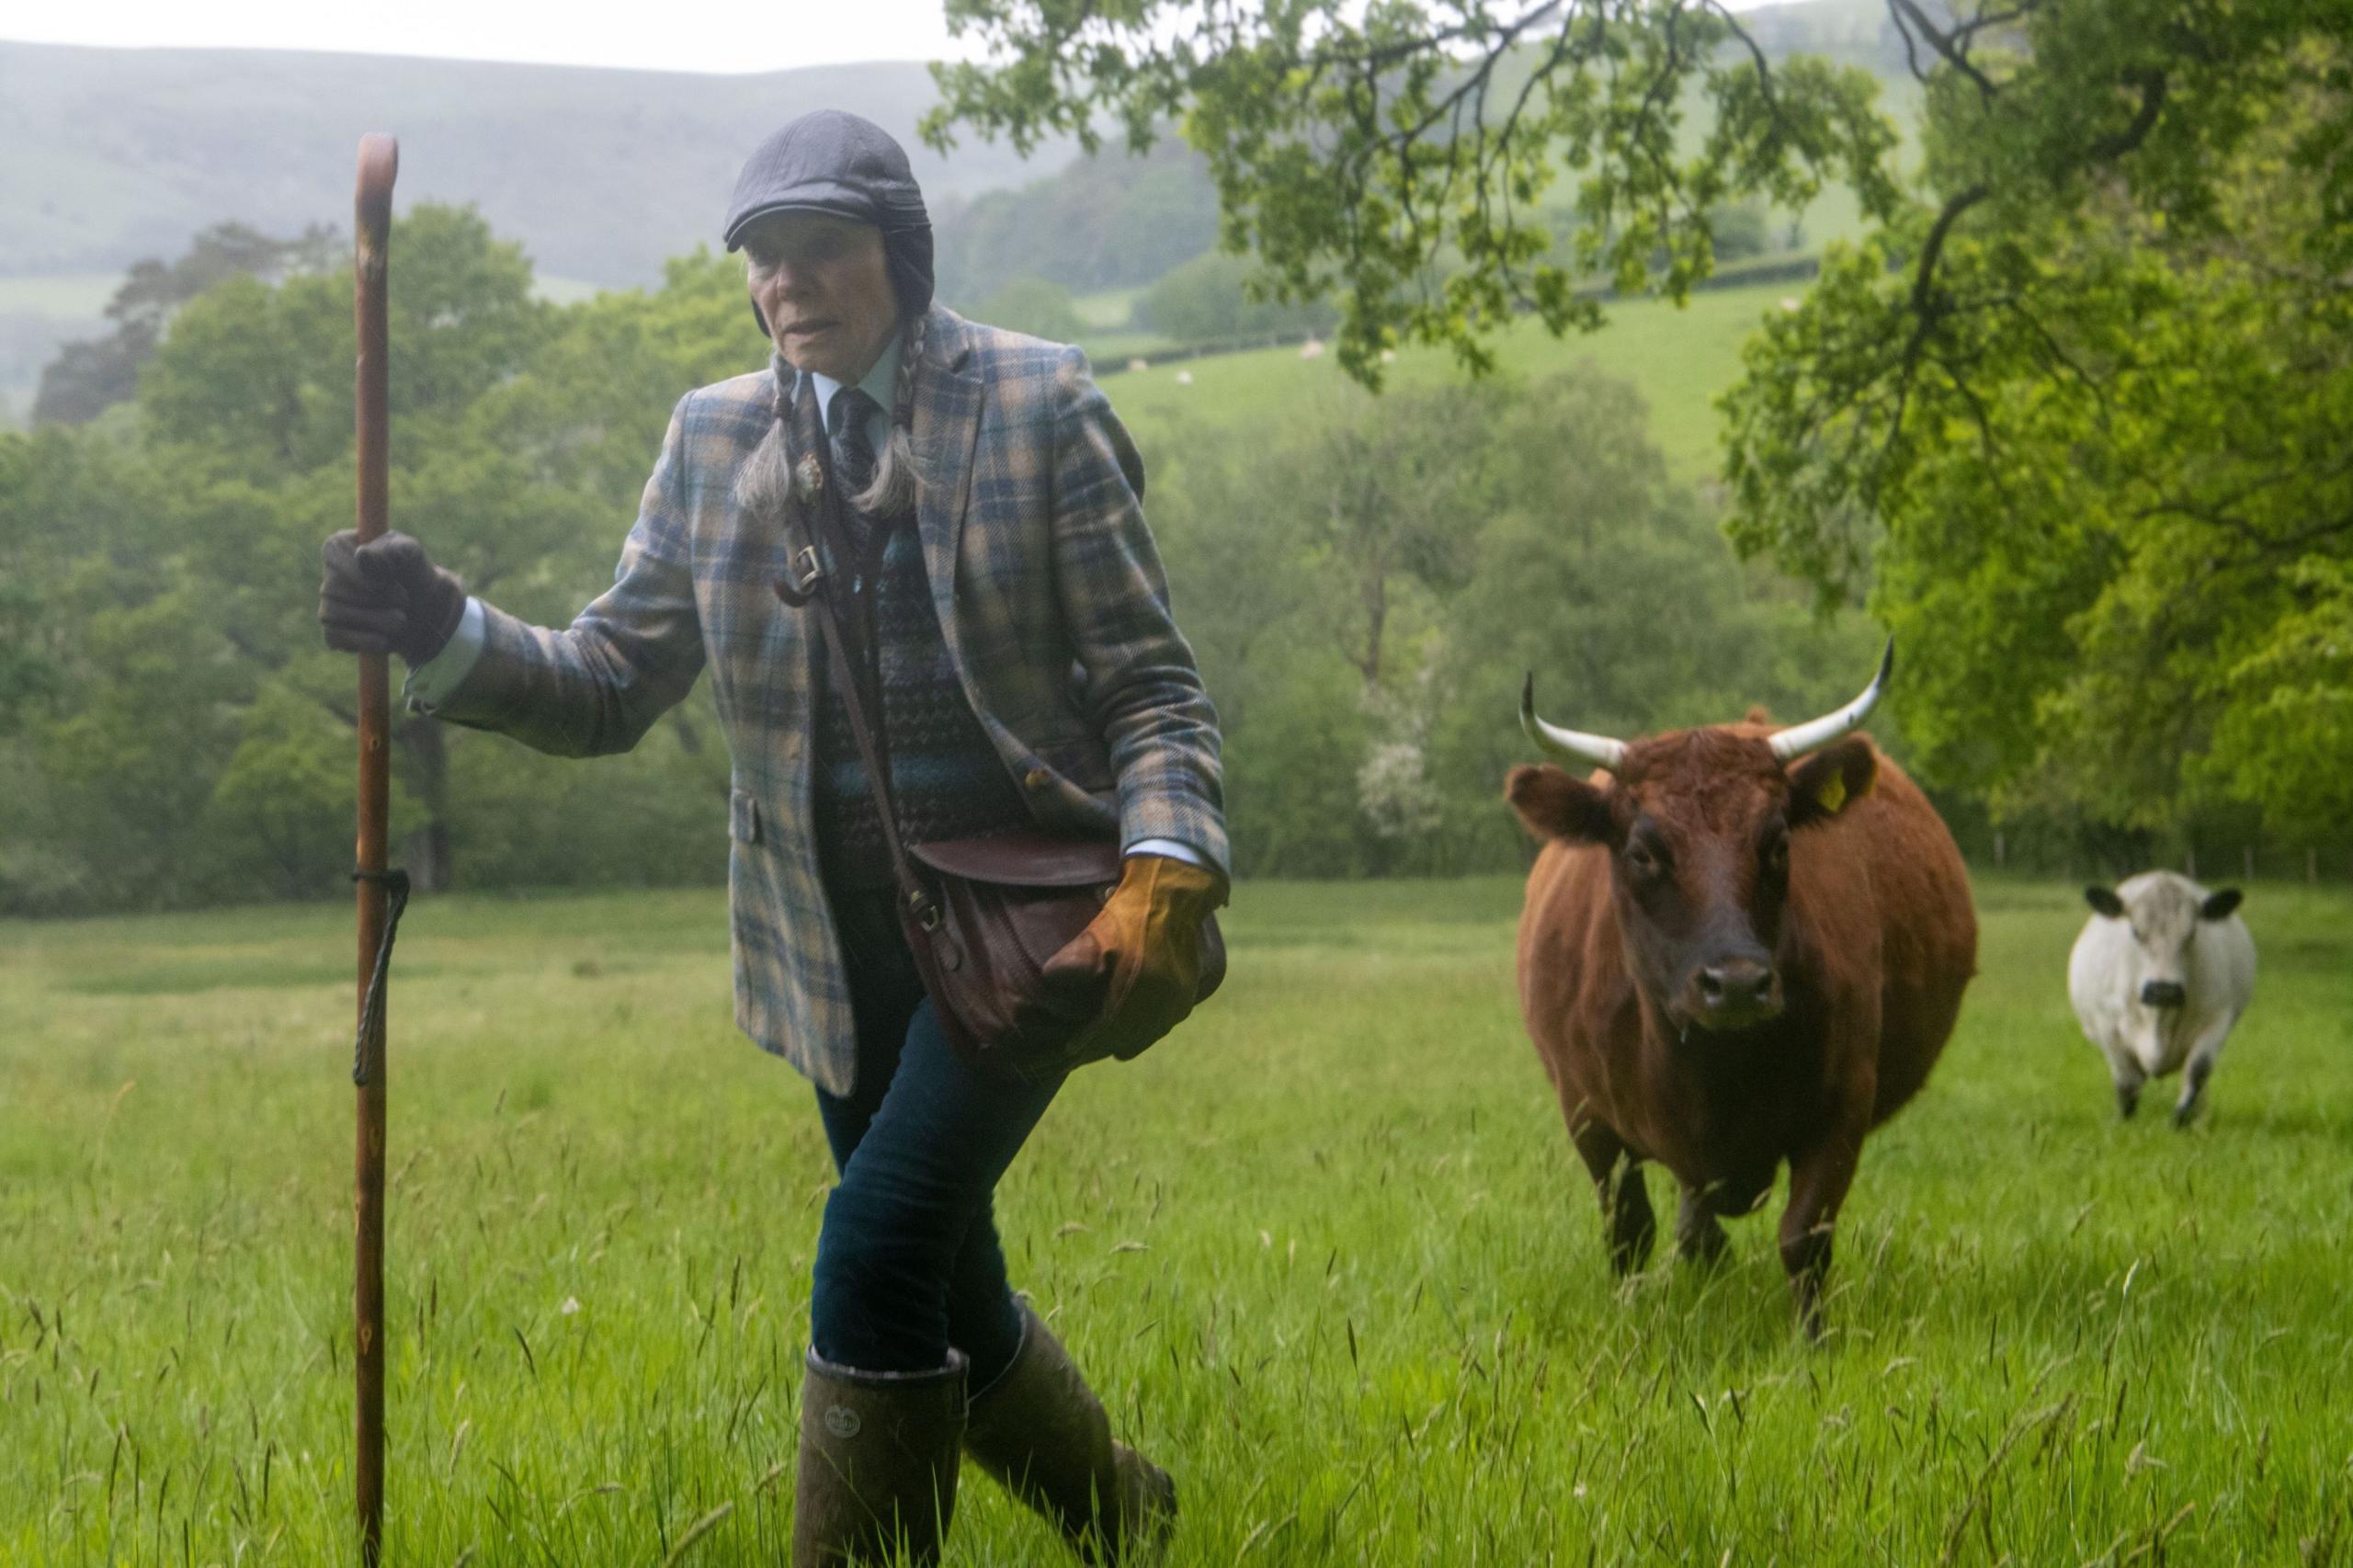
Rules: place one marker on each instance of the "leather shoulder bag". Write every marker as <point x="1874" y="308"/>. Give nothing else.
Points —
<point x="983" y="916"/>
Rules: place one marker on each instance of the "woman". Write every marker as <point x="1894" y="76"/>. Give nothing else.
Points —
<point x="1022" y="657"/>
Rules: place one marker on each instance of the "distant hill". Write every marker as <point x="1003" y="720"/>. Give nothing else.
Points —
<point x="107" y="156"/>
<point x="1109" y="221"/>
<point x="110" y="155"/>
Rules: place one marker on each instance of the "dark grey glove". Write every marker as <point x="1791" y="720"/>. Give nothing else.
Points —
<point x="386" y="597"/>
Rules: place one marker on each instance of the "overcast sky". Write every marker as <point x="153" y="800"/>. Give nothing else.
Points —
<point x="711" y="35"/>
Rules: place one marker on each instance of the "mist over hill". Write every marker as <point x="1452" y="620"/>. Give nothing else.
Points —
<point x="110" y="155"/>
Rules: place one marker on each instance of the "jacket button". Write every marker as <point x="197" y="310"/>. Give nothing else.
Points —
<point x="1037" y="778"/>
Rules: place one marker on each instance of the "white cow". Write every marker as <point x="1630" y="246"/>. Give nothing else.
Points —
<point x="2159" y="976"/>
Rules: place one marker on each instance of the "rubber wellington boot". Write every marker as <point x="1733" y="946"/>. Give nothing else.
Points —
<point x="878" y="1463"/>
<point x="1040" y="1430"/>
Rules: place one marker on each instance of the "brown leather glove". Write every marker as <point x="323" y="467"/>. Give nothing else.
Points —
<point x="386" y="597"/>
<point x="1143" y="953"/>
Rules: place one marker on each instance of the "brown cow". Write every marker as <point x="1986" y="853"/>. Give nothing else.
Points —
<point x="1740" y="946"/>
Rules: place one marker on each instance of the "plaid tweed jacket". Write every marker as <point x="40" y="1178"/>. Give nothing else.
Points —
<point x="1050" y="593"/>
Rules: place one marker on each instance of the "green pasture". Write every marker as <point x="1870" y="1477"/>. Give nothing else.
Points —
<point x="1327" y="1253"/>
<point x="1678" y="358"/>
<point x="1108" y="308"/>
<point x="38" y="316"/>
<point x="565" y="290"/>
<point x="74" y="295"/>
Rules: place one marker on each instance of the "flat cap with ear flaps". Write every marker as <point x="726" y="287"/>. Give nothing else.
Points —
<point x="840" y="164"/>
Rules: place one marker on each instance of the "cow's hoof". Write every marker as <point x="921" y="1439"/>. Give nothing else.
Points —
<point x="1705" y="1251"/>
<point x="1810" y="1322"/>
<point x="2184" y="1114"/>
<point x="2127" y="1102"/>
<point x="1632" y="1225"/>
<point x="1628" y="1256"/>
<point x="1699" y="1240"/>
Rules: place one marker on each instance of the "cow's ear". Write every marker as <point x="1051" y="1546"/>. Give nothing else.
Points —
<point x="2220" y="905"/>
<point x="1555" y="805"/>
<point x="2105" y="901"/>
<point x="1832" y="778"/>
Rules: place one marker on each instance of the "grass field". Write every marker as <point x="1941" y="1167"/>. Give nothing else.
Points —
<point x="1679" y="359"/>
<point x="38" y="316"/>
<point x="1108" y="308"/>
<point x="1326" y="1252"/>
<point x="76" y="295"/>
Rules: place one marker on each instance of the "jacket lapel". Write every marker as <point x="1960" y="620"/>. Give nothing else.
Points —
<point x="946" y="424"/>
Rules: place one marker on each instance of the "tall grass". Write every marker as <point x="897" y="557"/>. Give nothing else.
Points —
<point x="1327" y="1253"/>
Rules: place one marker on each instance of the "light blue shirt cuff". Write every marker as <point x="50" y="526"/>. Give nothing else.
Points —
<point x="1172" y="849"/>
<point x="433" y="682"/>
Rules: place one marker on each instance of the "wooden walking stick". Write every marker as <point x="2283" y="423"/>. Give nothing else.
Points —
<point x="382" y="893"/>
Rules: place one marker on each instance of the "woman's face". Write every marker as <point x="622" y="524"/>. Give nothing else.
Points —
<point x="825" y="287"/>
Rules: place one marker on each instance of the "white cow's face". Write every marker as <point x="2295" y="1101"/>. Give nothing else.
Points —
<point x="2166" y="916"/>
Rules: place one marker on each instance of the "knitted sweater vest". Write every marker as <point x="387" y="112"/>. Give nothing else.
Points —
<point x="945" y="777"/>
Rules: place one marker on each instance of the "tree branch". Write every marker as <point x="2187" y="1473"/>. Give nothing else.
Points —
<point x="2153" y="85"/>
<point x="1757" y="55"/>
<point x="1952" y="48"/>
<point x="1926" y="312"/>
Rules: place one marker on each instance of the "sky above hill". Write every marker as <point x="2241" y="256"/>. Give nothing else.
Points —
<point x="718" y="35"/>
<point x="722" y="35"/>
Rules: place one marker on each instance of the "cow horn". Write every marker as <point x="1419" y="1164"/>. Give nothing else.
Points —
<point x="1800" y="739"/>
<point x="1570" y="746"/>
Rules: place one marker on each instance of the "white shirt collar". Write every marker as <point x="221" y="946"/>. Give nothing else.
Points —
<point x="882" y="382"/>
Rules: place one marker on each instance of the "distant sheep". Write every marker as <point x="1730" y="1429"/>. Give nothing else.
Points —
<point x="2162" y="972"/>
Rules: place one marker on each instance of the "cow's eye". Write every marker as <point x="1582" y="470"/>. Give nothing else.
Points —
<point x="1642" y="860"/>
<point x="1777" y="857"/>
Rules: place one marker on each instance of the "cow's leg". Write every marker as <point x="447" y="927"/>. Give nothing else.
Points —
<point x="1625" y="1200"/>
<point x="2200" y="1068"/>
<point x="1632" y="1227"/>
<point x="1819" y="1177"/>
<point x="2125" y="1071"/>
<point x="1697" y="1237"/>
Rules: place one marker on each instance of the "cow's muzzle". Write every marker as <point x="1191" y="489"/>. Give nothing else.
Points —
<point x="2163" y="993"/>
<point x="1734" y="992"/>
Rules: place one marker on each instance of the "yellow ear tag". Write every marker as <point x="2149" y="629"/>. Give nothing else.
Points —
<point x="1833" y="794"/>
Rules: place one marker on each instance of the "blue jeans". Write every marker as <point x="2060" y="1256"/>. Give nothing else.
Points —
<point x="908" y="1262"/>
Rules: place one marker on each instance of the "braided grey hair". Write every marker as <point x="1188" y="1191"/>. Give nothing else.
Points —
<point x="765" y="481"/>
<point x="891" y="491"/>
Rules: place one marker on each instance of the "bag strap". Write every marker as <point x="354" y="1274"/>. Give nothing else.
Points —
<point x="817" y="585"/>
<point x="845" y="679"/>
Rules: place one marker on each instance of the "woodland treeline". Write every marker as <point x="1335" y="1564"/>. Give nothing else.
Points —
<point x="2070" y="419"/>
<point x="1363" y="585"/>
